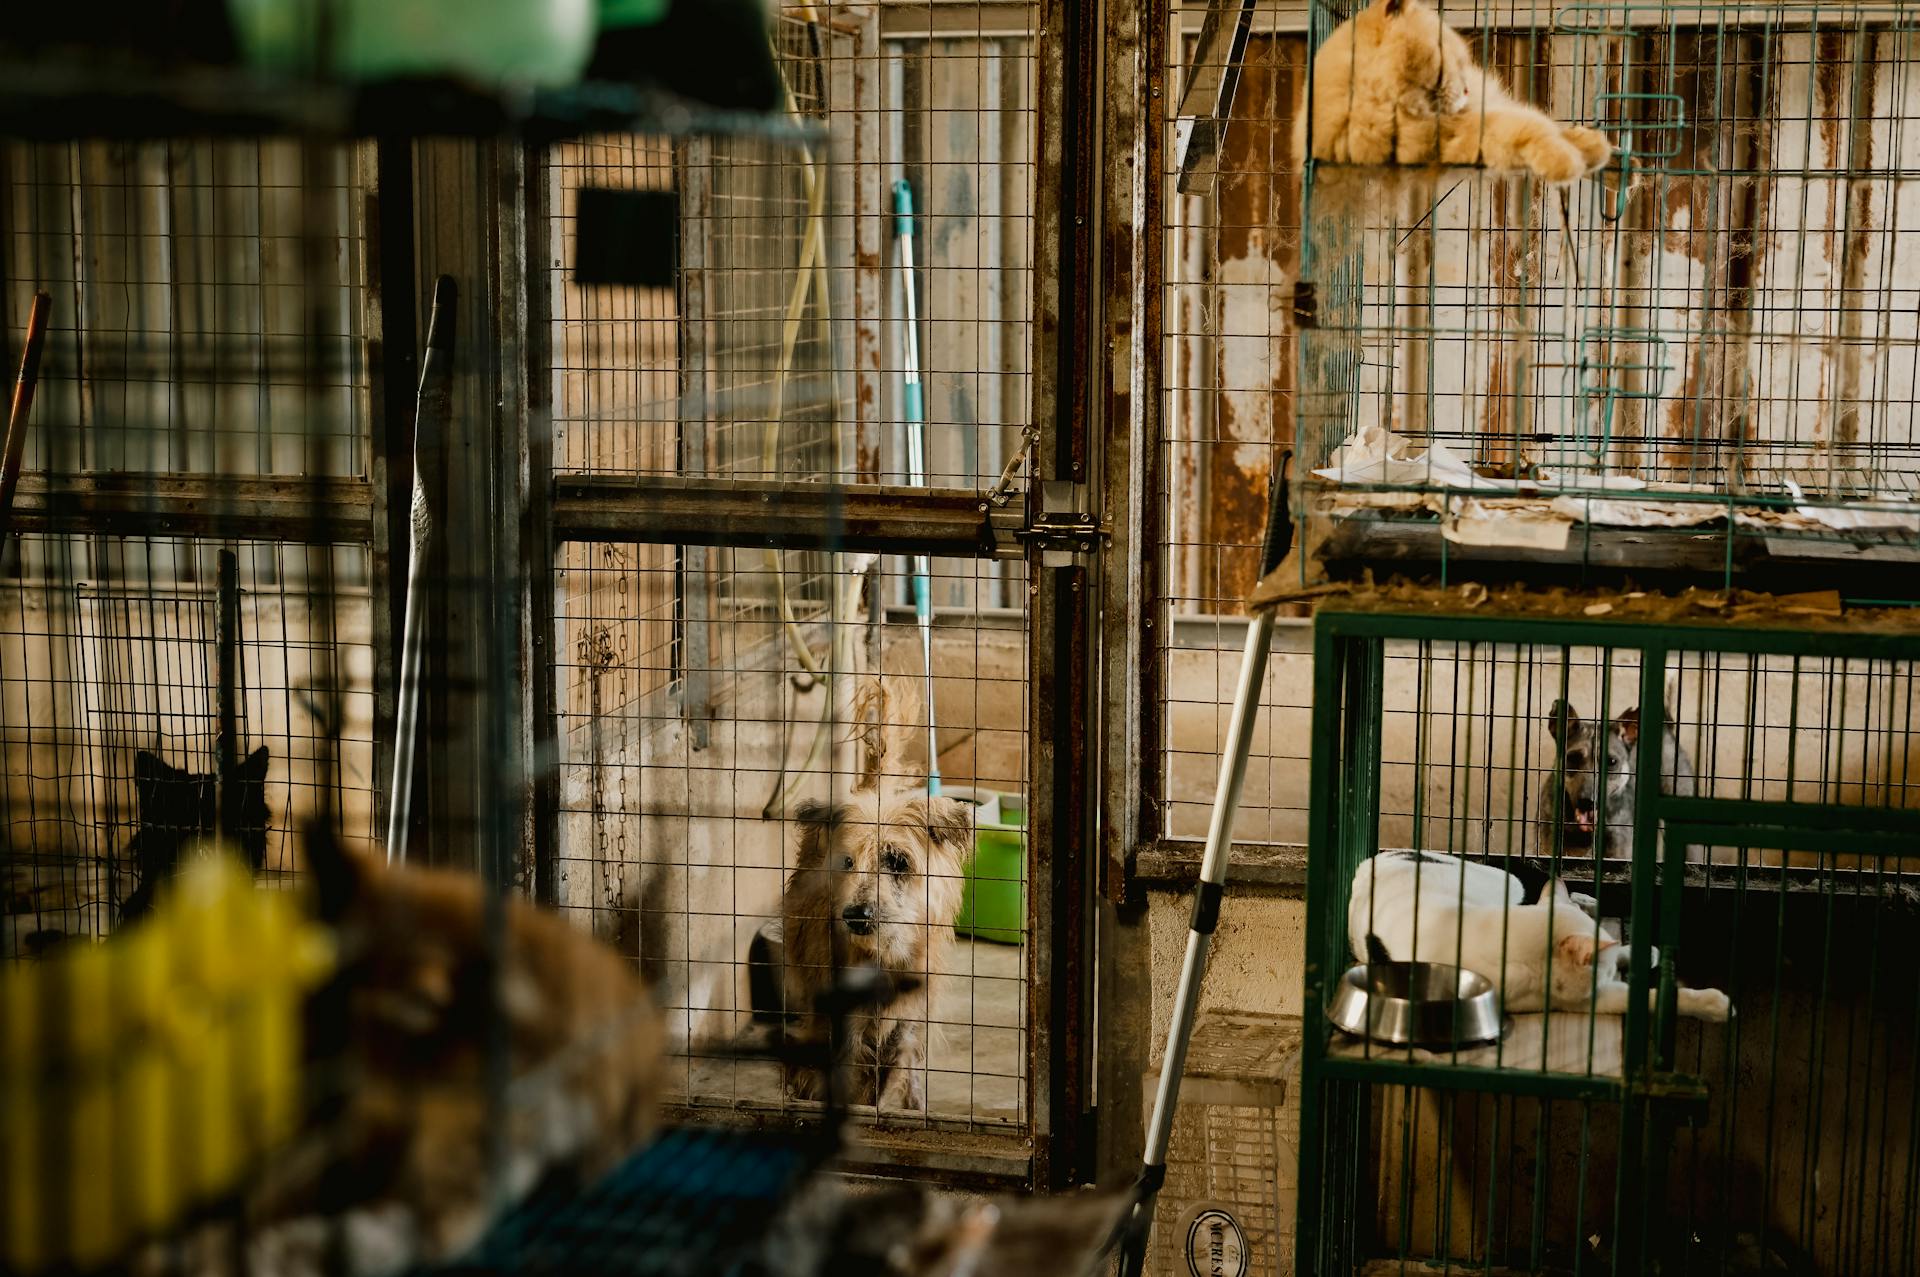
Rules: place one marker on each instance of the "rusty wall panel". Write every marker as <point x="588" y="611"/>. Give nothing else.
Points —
<point x="1237" y="342"/>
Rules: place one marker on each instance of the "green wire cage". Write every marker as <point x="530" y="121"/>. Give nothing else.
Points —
<point x="1776" y="865"/>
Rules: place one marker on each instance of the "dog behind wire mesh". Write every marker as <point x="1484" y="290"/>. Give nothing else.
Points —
<point x="1593" y="789"/>
<point x="877" y="881"/>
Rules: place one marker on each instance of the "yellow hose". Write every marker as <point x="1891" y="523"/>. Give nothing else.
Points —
<point x="812" y="273"/>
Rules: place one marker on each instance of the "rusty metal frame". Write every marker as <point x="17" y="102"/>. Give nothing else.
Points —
<point x="960" y="523"/>
<point x="298" y="510"/>
<point x="1064" y="701"/>
<point x="540" y="539"/>
<point x="1133" y="145"/>
<point x="956" y="522"/>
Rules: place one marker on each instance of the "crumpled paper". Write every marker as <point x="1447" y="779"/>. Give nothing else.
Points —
<point x="1541" y="518"/>
<point x="1878" y="519"/>
<point x="1514" y="522"/>
<point x="1612" y="513"/>
<point x="1374" y="454"/>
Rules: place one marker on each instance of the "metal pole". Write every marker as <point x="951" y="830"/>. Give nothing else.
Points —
<point x="429" y="459"/>
<point x="13" y="450"/>
<point x="913" y="407"/>
<point x="1213" y="879"/>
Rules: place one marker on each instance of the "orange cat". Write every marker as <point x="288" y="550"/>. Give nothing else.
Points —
<point x="1395" y="85"/>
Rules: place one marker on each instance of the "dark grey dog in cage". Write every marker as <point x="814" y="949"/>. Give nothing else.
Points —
<point x="1578" y="803"/>
<point x="877" y="881"/>
<point x="1422" y="906"/>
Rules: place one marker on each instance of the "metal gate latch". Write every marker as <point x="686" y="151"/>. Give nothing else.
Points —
<point x="1058" y="523"/>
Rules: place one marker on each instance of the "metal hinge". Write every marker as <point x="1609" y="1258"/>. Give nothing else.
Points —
<point x="1684" y="1095"/>
<point x="1058" y="523"/>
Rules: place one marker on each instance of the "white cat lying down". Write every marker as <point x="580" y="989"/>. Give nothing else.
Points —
<point x="1540" y="956"/>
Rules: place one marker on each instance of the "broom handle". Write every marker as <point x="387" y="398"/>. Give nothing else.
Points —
<point x="431" y="413"/>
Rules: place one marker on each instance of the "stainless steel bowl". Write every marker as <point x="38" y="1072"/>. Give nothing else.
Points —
<point x="1416" y="1004"/>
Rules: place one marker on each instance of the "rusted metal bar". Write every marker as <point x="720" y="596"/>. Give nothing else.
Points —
<point x="537" y="541"/>
<point x="951" y="522"/>
<point x="22" y="407"/>
<point x="1127" y="582"/>
<point x="1062" y="723"/>
<point x="1174" y="864"/>
<point x="297" y="510"/>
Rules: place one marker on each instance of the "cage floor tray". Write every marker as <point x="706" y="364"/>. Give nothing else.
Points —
<point x="1550" y="1042"/>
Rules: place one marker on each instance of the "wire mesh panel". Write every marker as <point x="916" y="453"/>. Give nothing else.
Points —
<point x="848" y="312"/>
<point x="1670" y="858"/>
<point x="1704" y="338"/>
<point x="782" y="350"/>
<point x="205" y="353"/>
<point x="190" y="330"/>
<point x="1480" y="371"/>
<point x="1231" y="245"/>
<point x="699" y="764"/>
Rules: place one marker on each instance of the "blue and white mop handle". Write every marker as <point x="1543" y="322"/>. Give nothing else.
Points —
<point x="912" y="403"/>
<point x="913" y="408"/>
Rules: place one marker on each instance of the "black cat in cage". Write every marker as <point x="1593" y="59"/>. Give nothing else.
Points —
<point x="177" y="806"/>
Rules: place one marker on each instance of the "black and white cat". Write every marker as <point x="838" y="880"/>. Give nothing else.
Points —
<point x="1553" y="954"/>
<point x="178" y="807"/>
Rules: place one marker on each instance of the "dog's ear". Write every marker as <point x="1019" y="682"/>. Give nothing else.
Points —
<point x="817" y="822"/>
<point x="1562" y="722"/>
<point x="1628" y="725"/>
<point x="1392" y="7"/>
<point x="948" y="820"/>
<point x="1558" y="889"/>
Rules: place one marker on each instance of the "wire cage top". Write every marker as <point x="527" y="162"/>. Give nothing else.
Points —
<point x="1700" y="359"/>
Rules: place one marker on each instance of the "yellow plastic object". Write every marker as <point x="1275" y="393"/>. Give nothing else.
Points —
<point x="145" y="1075"/>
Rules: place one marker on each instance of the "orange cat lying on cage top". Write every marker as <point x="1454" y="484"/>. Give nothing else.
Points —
<point x="876" y="882"/>
<point x="1396" y="85"/>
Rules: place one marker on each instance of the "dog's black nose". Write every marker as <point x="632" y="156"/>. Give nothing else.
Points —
<point x="859" y="918"/>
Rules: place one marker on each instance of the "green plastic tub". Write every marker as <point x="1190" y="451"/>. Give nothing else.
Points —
<point x="993" y="905"/>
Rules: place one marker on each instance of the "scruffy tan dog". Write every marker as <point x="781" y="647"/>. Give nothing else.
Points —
<point x="1394" y="84"/>
<point x="877" y="881"/>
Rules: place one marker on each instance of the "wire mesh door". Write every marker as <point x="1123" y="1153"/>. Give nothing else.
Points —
<point x="1739" y="1101"/>
<point x="1689" y="361"/>
<point x="205" y="396"/>
<point x="771" y="647"/>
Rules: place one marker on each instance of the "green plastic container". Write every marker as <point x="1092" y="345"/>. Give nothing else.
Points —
<point x="544" y="43"/>
<point x="993" y="905"/>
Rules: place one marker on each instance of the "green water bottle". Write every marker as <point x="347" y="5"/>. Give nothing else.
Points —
<point x="523" y="42"/>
